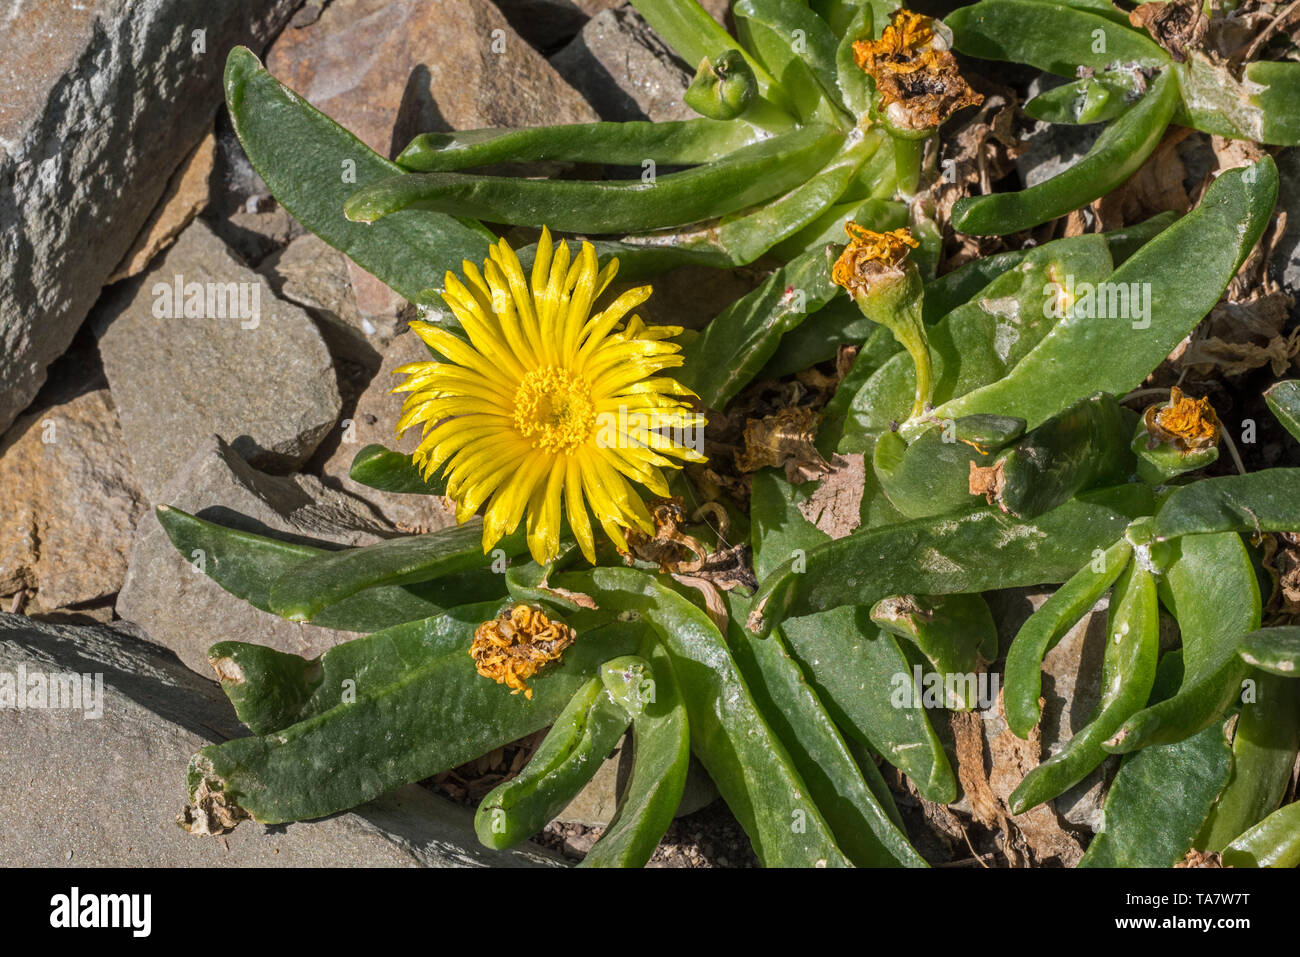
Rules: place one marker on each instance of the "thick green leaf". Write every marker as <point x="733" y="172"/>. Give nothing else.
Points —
<point x="1275" y="650"/>
<point x="969" y="552"/>
<point x="1264" y="501"/>
<point x="673" y="143"/>
<point x="733" y="347"/>
<point x="391" y="708"/>
<point x="312" y="165"/>
<point x="1045" y="627"/>
<point x="1273" y="842"/>
<point x="1053" y="37"/>
<point x="1214" y="594"/>
<point x="661" y="750"/>
<point x="861" y="825"/>
<point x="1180" y="275"/>
<point x="389" y="471"/>
<point x="745" y="177"/>
<point x="1128" y="672"/>
<point x="1283" y="399"/>
<point x="1264" y="746"/>
<point x="1159" y="801"/>
<point x="1122" y="148"/>
<point x="246" y="564"/>
<point x="327" y="579"/>
<point x="729" y="733"/>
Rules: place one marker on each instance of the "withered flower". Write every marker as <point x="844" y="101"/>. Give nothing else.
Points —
<point x="871" y="258"/>
<point x="518" y="643"/>
<point x="886" y="285"/>
<point x="915" y="73"/>
<point x="1190" y="425"/>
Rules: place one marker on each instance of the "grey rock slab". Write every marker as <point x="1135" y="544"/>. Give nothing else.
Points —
<point x="104" y="791"/>
<point x="316" y="276"/>
<point x="103" y="99"/>
<point x="624" y="70"/>
<point x="186" y="611"/>
<point x="234" y="360"/>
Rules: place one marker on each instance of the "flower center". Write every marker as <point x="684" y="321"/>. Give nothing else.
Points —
<point x="554" y="409"/>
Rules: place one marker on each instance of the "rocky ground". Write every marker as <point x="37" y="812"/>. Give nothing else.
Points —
<point x="120" y="172"/>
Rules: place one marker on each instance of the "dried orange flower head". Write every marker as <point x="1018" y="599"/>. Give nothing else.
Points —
<point x="518" y="643"/>
<point x="914" y="72"/>
<point x="1190" y="424"/>
<point x="870" y="257"/>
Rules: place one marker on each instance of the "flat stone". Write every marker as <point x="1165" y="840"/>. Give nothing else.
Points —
<point x="187" y="193"/>
<point x="317" y="277"/>
<point x="104" y="790"/>
<point x="102" y="102"/>
<point x="264" y="383"/>
<point x="376" y="413"/>
<point x="624" y="70"/>
<point x="71" y="503"/>
<point x="388" y="69"/>
<point x="166" y="595"/>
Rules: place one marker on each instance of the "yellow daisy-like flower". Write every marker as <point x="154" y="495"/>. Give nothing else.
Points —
<point x="549" y="407"/>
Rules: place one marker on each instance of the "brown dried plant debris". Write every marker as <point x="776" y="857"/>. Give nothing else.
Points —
<point x="1030" y="839"/>
<point x="915" y="73"/>
<point x="987" y="480"/>
<point x="518" y="643"/>
<point x="835" y="506"/>
<point x="1246" y="330"/>
<point x="212" y="813"/>
<point x="1195" y="858"/>
<point x="976" y="152"/>
<point x="1179" y="26"/>
<point x="470" y="782"/>
<point x="786" y="440"/>
<point x="1281" y="559"/>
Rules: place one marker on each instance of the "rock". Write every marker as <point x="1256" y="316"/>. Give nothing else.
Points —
<point x="186" y="195"/>
<point x="388" y="69"/>
<point x="624" y="70"/>
<point x="256" y="230"/>
<point x="317" y="277"/>
<point x="546" y="24"/>
<point x="372" y="421"/>
<point x="260" y="378"/>
<point x="165" y="594"/>
<point x="71" y="504"/>
<point x="104" y="791"/>
<point x="102" y="102"/>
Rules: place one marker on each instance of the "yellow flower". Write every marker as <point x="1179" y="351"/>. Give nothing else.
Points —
<point x="548" y="408"/>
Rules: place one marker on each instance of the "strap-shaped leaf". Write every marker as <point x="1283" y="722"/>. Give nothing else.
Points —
<point x="312" y="165"/>
<point x="676" y="142"/>
<point x="246" y="564"/>
<point x="745" y="177"/>
<point x="311" y="587"/>
<point x="391" y="708"/>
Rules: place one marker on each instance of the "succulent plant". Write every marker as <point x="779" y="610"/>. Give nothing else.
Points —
<point x="989" y="413"/>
